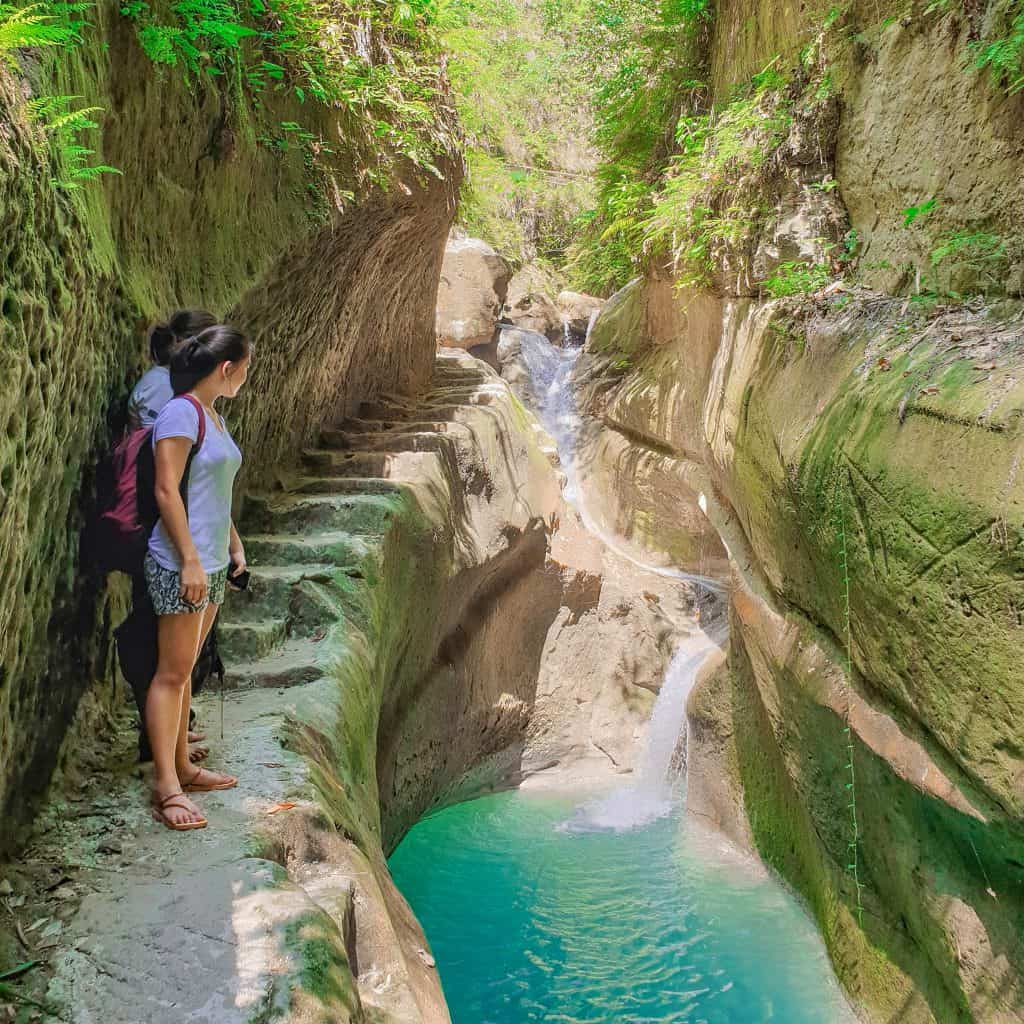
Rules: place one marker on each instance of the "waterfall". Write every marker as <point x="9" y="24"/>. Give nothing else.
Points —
<point x="551" y="369"/>
<point x="651" y="795"/>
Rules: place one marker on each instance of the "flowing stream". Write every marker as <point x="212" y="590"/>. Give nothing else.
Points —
<point x="609" y="908"/>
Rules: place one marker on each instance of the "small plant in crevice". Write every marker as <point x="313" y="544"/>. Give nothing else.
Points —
<point x="63" y="126"/>
<point x="1003" y="55"/>
<point x="380" y="63"/>
<point x="980" y="252"/>
<point x="918" y="211"/>
<point x="795" y="277"/>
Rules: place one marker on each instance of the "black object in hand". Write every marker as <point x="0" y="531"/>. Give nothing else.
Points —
<point x="239" y="582"/>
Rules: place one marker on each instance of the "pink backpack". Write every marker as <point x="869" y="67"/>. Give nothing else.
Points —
<point x="128" y="509"/>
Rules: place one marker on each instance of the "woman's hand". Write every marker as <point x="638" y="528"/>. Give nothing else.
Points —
<point x="194" y="584"/>
<point x="238" y="563"/>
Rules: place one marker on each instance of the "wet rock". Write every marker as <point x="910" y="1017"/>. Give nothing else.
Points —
<point x="529" y="305"/>
<point x="578" y="312"/>
<point x="713" y="406"/>
<point x="474" y="283"/>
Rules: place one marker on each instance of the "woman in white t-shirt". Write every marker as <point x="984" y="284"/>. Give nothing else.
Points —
<point x="153" y="391"/>
<point x="191" y="550"/>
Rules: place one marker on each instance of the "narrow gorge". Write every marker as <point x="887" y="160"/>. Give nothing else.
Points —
<point x="631" y="493"/>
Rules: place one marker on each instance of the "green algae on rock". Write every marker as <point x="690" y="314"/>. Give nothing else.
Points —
<point x="202" y="216"/>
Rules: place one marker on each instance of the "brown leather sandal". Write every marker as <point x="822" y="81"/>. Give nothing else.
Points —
<point x="159" y="813"/>
<point x="199" y="787"/>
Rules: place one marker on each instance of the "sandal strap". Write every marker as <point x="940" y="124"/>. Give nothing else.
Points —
<point x="166" y="802"/>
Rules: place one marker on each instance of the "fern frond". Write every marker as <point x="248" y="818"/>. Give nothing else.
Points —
<point x="31" y="26"/>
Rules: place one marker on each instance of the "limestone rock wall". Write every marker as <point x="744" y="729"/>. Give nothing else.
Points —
<point x="202" y="216"/>
<point x="796" y="436"/>
<point x="915" y="123"/>
<point x="857" y="451"/>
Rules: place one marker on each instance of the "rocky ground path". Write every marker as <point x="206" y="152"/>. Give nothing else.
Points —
<point x="206" y="926"/>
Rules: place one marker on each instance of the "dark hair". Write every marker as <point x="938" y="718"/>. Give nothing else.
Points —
<point x="200" y="356"/>
<point x="185" y="323"/>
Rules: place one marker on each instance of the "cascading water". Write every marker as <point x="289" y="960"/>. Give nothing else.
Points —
<point x="551" y="370"/>
<point x="651" y="795"/>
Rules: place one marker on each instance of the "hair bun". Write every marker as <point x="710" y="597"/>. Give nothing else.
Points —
<point x="190" y="350"/>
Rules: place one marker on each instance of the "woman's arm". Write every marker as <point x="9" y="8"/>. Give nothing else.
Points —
<point x="236" y="552"/>
<point x="171" y="456"/>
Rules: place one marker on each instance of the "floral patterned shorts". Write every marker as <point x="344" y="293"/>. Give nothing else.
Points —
<point x="165" y="589"/>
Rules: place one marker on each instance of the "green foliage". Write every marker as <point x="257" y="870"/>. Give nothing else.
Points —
<point x="980" y="253"/>
<point x="795" y="277"/>
<point x="1001" y="50"/>
<point x="378" y="61"/>
<point x="63" y="126"/>
<point x="524" y="104"/>
<point x="39" y="24"/>
<point x="709" y="204"/>
<point x="920" y="210"/>
<point x="1003" y="56"/>
<point x="646" y="69"/>
<point x="979" y="248"/>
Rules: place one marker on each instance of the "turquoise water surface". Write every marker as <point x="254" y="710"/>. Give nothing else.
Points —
<point x="531" y="920"/>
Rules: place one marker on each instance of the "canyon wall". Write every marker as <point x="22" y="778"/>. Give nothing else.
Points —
<point x="857" y="448"/>
<point x="206" y="213"/>
<point x="416" y="636"/>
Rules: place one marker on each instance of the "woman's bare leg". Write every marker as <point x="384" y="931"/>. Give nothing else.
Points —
<point x="178" y="640"/>
<point x="183" y="764"/>
<point x="186" y="770"/>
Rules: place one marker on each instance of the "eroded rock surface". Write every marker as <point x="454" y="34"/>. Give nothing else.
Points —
<point x="212" y="219"/>
<point x="577" y="312"/>
<point x="816" y="437"/>
<point x="529" y="304"/>
<point x="474" y="283"/>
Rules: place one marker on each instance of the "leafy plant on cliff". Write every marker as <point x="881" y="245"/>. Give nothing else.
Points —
<point x="705" y="212"/>
<point x="982" y="254"/>
<point x="1003" y="56"/>
<point x="64" y="126"/>
<point x="39" y="24"/>
<point x="522" y="97"/>
<point x="647" y="69"/>
<point x="378" y="61"/>
<point x="795" y="277"/>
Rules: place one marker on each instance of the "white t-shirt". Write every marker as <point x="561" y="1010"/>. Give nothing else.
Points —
<point x="150" y="395"/>
<point x="211" y="478"/>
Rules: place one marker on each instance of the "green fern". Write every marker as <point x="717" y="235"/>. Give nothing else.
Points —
<point x="1004" y="57"/>
<point x="36" y="25"/>
<point x="62" y="126"/>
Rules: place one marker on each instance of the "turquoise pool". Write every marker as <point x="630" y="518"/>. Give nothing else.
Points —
<point x="533" y="920"/>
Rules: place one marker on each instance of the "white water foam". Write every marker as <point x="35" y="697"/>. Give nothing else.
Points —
<point x="652" y="795"/>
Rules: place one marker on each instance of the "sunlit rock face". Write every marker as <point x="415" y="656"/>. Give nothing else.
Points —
<point x="839" y="443"/>
<point x="530" y="303"/>
<point x="474" y="283"/>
